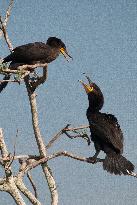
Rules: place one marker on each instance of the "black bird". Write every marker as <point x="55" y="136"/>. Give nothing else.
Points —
<point x="37" y="52"/>
<point x="105" y="133"/>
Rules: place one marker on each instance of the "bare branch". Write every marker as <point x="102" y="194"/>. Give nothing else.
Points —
<point x="19" y="157"/>
<point x="56" y="137"/>
<point x="21" y="186"/>
<point x="11" y="81"/>
<point x="8" y="12"/>
<point x="41" y="79"/>
<point x="3" y="148"/>
<point x="59" y="154"/>
<point x="77" y="128"/>
<point x="3" y="28"/>
<point x="17" y="67"/>
<point x="14" y="192"/>
<point x="8" y="184"/>
<point x="28" y="67"/>
<point x="38" y="137"/>
<point x="40" y="143"/>
<point x="32" y="183"/>
<point x="14" y="152"/>
<point x="64" y="130"/>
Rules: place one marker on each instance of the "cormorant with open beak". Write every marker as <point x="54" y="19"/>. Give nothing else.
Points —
<point x="105" y="133"/>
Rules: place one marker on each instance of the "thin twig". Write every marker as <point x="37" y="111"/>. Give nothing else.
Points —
<point x="64" y="130"/>
<point x="3" y="28"/>
<point x="20" y="157"/>
<point x="80" y="135"/>
<point x="56" y="136"/>
<point x="14" y="150"/>
<point x="32" y="183"/>
<point x="11" y="81"/>
<point x="77" y="128"/>
<point x="8" y="12"/>
<point x="3" y="147"/>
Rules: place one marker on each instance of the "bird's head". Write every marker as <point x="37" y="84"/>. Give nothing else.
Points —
<point x="95" y="96"/>
<point x="57" y="43"/>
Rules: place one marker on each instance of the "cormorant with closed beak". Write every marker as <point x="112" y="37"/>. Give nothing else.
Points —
<point x="33" y="53"/>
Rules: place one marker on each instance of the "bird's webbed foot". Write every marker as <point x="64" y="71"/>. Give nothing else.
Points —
<point x="93" y="159"/>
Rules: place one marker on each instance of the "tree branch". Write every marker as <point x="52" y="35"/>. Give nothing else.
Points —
<point x="59" y="154"/>
<point x="32" y="183"/>
<point x="3" y="28"/>
<point x="63" y="131"/>
<point x="13" y="191"/>
<point x="3" y="148"/>
<point x="56" y="137"/>
<point x="8" y="12"/>
<point x="8" y="183"/>
<point x="41" y="79"/>
<point x="40" y="143"/>
<point x="21" y="186"/>
<point x="77" y="128"/>
<point x="18" y="67"/>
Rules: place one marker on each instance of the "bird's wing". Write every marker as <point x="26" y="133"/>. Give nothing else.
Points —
<point x="106" y="127"/>
<point x="31" y="51"/>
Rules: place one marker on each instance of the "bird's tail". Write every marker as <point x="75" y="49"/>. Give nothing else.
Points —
<point x="117" y="164"/>
<point x="4" y="84"/>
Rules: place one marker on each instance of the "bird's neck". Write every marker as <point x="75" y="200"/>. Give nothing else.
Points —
<point x="91" y="110"/>
<point x="95" y="102"/>
<point x="53" y="54"/>
<point x="92" y="113"/>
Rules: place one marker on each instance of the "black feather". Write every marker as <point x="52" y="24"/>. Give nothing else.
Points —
<point x="106" y="134"/>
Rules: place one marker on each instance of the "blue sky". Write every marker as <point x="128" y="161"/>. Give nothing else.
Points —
<point x="101" y="36"/>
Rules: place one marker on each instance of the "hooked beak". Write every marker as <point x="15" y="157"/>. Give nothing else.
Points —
<point x="88" y="88"/>
<point x="65" y="54"/>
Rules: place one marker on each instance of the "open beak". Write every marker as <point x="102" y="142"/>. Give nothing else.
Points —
<point x="89" y="80"/>
<point x="88" y="88"/>
<point x="65" y="54"/>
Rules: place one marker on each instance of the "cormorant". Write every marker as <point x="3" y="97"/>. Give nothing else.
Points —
<point x="105" y="133"/>
<point x="33" y="53"/>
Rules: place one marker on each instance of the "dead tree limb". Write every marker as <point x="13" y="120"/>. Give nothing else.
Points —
<point x="40" y="142"/>
<point x="9" y="184"/>
<point x="64" y="131"/>
<point x="33" y="184"/>
<point x="59" y="154"/>
<point x="21" y="186"/>
<point x="8" y="12"/>
<point x="3" y="28"/>
<point x="56" y="137"/>
<point x="41" y="79"/>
